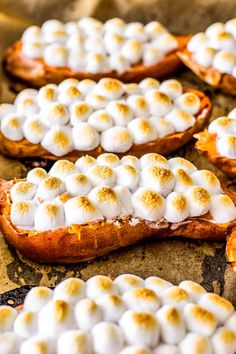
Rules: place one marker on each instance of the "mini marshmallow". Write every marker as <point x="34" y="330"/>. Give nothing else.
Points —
<point x="7" y="317"/>
<point x="222" y="41"/>
<point x="199" y="320"/>
<point x="132" y="50"/>
<point x="114" y="25"/>
<point x="75" y="41"/>
<point x="77" y="184"/>
<point x="95" y="44"/>
<point x="224" y="61"/>
<point x="153" y="159"/>
<point x="22" y="191"/>
<point x="110" y="88"/>
<point x="205" y="56"/>
<point x="79" y="112"/>
<point x="132" y="89"/>
<point x="159" y="103"/>
<point x="127" y="176"/>
<point x="25" y="325"/>
<point x="69" y="95"/>
<point x="116" y="139"/>
<point x="49" y="215"/>
<point x="172" y="88"/>
<point x="74" y="342"/>
<point x="136" y="349"/>
<point x="124" y="196"/>
<point x="55" y="36"/>
<point x="113" y="307"/>
<point x="182" y="180"/>
<point x="232" y="114"/>
<point x="87" y="314"/>
<point x="166" y="349"/>
<point x="58" y="141"/>
<point x="224" y="341"/>
<point x="65" y="84"/>
<point x="34" y="130"/>
<point x="11" y="127"/>
<point x="100" y="120"/>
<point x="160" y="179"/>
<point x="27" y="106"/>
<point x="143" y="130"/>
<point x="208" y="180"/>
<point x="135" y="30"/>
<point x="214" y="29"/>
<point x="84" y="163"/>
<point x="127" y="282"/>
<point x="130" y="160"/>
<point x="120" y="112"/>
<point x="106" y="201"/>
<point x="230" y="26"/>
<point x="220" y="307"/>
<point x="36" y="175"/>
<point x="166" y="42"/>
<point x="157" y="284"/>
<point x="107" y="338"/>
<point x="226" y="146"/>
<point x="195" y="290"/>
<point x="180" y="120"/>
<point x="101" y="175"/>
<point x="189" y="102"/>
<point x="22" y="213"/>
<point x="197" y="42"/>
<point x="113" y="42"/>
<point x="139" y="105"/>
<point x="175" y="296"/>
<point x="119" y="63"/>
<point x="149" y="84"/>
<point x="140" y="328"/>
<point x="80" y="210"/>
<point x="55" y="55"/>
<point x="70" y="290"/>
<point x="37" y="298"/>
<point x="38" y="345"/>
<point x="47" y="94"/>
<point x="199" y="200"/>
<point x="96" y="101"/>
<point x="231" y="323"/>
<point x="9" y="343"/>
<point x="180" y="162"/>
<point x="33" y="50"/>
<point x="54" y="113"/>
<point x="154" y="29"/>
<point x="172" y="324"/>
<point x="31" y="34"/>
<point x="148" y="204"/>
<point x="142" y="299"/>
<point x="63" y="168"/>
<point x="177" y="208"/>
<point x="85" y="86"/>
<point x="28" y="92"/>
<point x="52" y="25"/>
<point x="195" y="343"/>
<point x="50" y="188"/>
<point x="5" y="109"/>
<point x="91" y="26"/>
<point x="152" y="56"/>
<point x="76" y="60"/>
<point x="96" y="63"/>
<point x="99" y="285"/>
<point x="108" y="159"/>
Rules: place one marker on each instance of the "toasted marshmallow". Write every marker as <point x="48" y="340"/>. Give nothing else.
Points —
<point x="136" y="30"/>
<point x="180" y="162"/>
<point x="7" y="317"/>
<point x="9" y="343"/>
<point x="166" y="42"/>
<point x="52" y="25"/>
<point x="231" y="322"/>
<point x="142" y="299"/>
<point x="132" y="89"/>
<point x="132" y="50"/>
<point x="230" y="26"/>
<point x="139" y="105"/>
<point x="143" y="130"/>
<point x="208" y="180"/>
<point x="96" y="101"/>
<point x="77" y="60"/>
<point x="77" y="184"/>
<point x="50" y="188"/>
<point x="79" y="112"/>
<point x="120" y="112"/>
<point x="154" y="29"/>
<point x="136" y="349"/>
<point x="199" y="320"/>
<point x="205" y="56"/>
<point x="106" y="201"/>
<point x="172" y="88"/>
<point x="127" y="282"/>
<point x="58" y="141"/>
<point x="214" y="29"/>
<point x="84" y="163"/>
<point x="224" y="61"/>
<point x="55" y="36"/>
<point x="180" y="120"/>
<point x="110" y="88"/>
<point x="101" y="175"/>
<point x="140" y="328"/>
<point x="69" y="95"/>
<point x="226" y="146"/>
<point x="220" y="307"/>
<point x="157" y="284"/>
<point x="62" y="169"/>
<point x="159" y="103"/>
<point x="193" y="289"/>
<point x="27" y="106"/>
<point x="222" y="209"/>
<point x="224" y="341"/>
<point x="34" y="130"/>
<point x="108" y="159"/>
<point x="114" y="25"/>
<point x="113" y="307"/>
<point x="47" y="94"/>
<point x="119" y="63"/>
<point x="94" y="44"/>
<point x="87" y="314"/>
<point x="113" y="42"/>
<point x="148" y="204"/>
<point x="36" y="175"/>
<point x="91" y="26"/>
<point x="22" y="191"/>
<point x="130" y="160"/>
<point x="49" y="215"/>
<point x="31" y="34"/>
<point x="11" y="127"/>
<point x="85" y="86"/>
<point x="56" y="55"/>
<point x="74" y="342"/>
<point x="195" y="343"/>
<point x="152" y="55"/>
<point x="38" y="345"/>
<point x="172" y="324"/>
<point x="197" y="42"/>
<point x="182" y="180"/>
<point x="222" y="41"/>
<point x="5" y="109"/>
<point x="80" y="210"/>
<point x="75" y="41"/>
<point x="28" y="92"/>
<point x="96" y="63"/>
<point x="160" y="179"/>
<point x="189" y="102"/>
<point x="107" y="338"/>
<point x="100" y="120"/>
<point x="70" y="290"/>
<point x="25" y="325"/>
<point x="22" y="213"/>
<point x="99" y="285"/>
<point x="54" y="113"/>
<point x="124" y="196"/>
<point x="177" y="208"/>
<point x="166" y="349"/>
<point x="116" y="139"/>
<point x="199" y="200"/>
<point x="127" y="176"/>
<point x="175" y="296"/>
<point x="37" y="298"/>
<point x="33" y="50"/>
<point x="153" y="159"/>
<point x="149" y="84"/>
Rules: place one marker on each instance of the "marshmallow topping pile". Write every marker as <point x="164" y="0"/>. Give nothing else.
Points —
<point x="95" y="47"/>
<point x="151" y="188"/>
<point x="126" y="316"/>
<point x="216" y="47"/>
<point x="81" y="115"/>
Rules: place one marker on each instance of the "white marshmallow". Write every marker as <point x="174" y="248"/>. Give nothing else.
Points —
<point x="160" y="179"/>
<point x="114" y="25"/>
<point x="199" y="200"/>
<point x="127" y="282"/>
<point x="208" y="180"/>
<point x="172" y="88"/>
<point x="34" y="130"/>
<point x="62" y="169"/>
<point x="205" y="56"/>
<point x="5" y="109"/>
<point x="79" y="112"/>
<point x="69" y="95"/>
<point x="149" y="84"/>
<point x="159" y="103"/>
<point x="226" y="146"/>
<point x="55" y="36"/>
<point x="91" y="26"/>
<point x="56" y="55"/>
<point x="87" y="314"/>
<point x="84" y="163"/>
<point x="74" y="342"/>
<point x="231" y="322"/>
<point x="48" y="216"/>
<point x="195" y="343"/>
<point x="106" y="200"/>
<point x="124" y="196"/>
<point x="27" y="106"/>
<point x="7" y="318"/>
<point x="135" y="30"/>
<point x="70" y="290"/>
<point x="22" y="191"/>
<point x="65" y="84"/>
<point x="50" y="188"/>
<point x="96" y="101"/>
<point x="119" y="62"/>
<point x="113" y="307"/>
<point x="76" y="60"/>
<point x="52" y="25"/>
<point x="143" y="130"/>
<point x="177" y="208"/>
<point x="22" y="213"/>
<point x="58" y="141"/>
<point x="222" y="41"/>
<point x="180" y="162"/>
<point x="120" y="112"/>
<point x="28" y="92"/>
<point x="162" y="126"/>
<point x="135" y="349"/>
<point x="54" y="113"/>
<point x="110" y="88"/>
<point x="195" y="290"/>
<point x="139" y="105"/>
<point x="153" y="159"/>
<point x="172" y="324"/>
<point x="166" y="42"/>
<point x="224" y="341"/>
<point x="11" y="127"/>
<point x="157" y="284"/>
<point x="37" y="345"/>
<point x="100" y="120"/>
<point x="166" y="349"/>
<point x="130" y="160"/>
<point x="33" y="50"/>
<point x="154" y="29"/>
<point x="132" y="50"/>
<point x="199" y="320"/>
<point x="96" y="63"/>
<point x="152" y="55"/>
<point x="32" y="34"/>
<point x="127" y="176"/>
<point x="99" y="285"/>
<point x="36" y="175"/>
<point x="80" y="210"/>
<point x="37" y="298"/>
<point x="180" y="120"/>
<point x="214" y="29"/>
<point x="108" y="159"/>
<point x="142" y="299"/>
<point x="107" y="338"/>
<point x="189" y="102"/>
<point x="175" y="296"/>
<point x="77" y="184"/>
<point x="95" y="44"/>
<point x="230" y="26"/>
<point x="148" y="204"/>
<point x="47" y="94"/>
<point x="101" y="175"/>
<point x="197" y="42"/>
<point x="140" y="328"/>
<point x="224" y="61"/>
<point x="25" y="325"/>
<point x="75" y="40"/>
<point x="220" y="307"/>
<point x="182" y="180"/>
<point x="132" y="89"/>
<point x="116" y="139"/>
<point x="85" y="86"/>
<point x="9" y="343"/>
<point x="232" y="114"/>
<point x="113" y="42"/>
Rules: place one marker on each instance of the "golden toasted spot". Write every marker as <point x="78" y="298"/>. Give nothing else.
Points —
<point x="36" y="126"/>
<point x="59" y="33"/>
<point x="103" y="172"/>
<point x="28" y="318"/>
<point x="132" y="87"/>
<point x="112" y="84"/>
<point x="225" y="200"/>
<point x="184" y="177"/>
<point x="80" y="179"/>
<point x="111" y="157"/>
<point x="51" y="183"/>
<point x="210" y="177"/>
<point x="190" y="99"/>
<point x="160" y="173"/>
<point x="183" y="162"/>
<point x="88" y="159"/>
<point x="179" y="203"/>
<point x="115" y="300"/>
<point x="224" y="35"/>
<point x="136" y="45"/>
<point x="150" y="199"/>
<point x="49" y="93"/>
<point x="201" y="345"/>
<point x="156" y="157"/>
<point x="37" y="44"/>
<point x="224" y="121"/>
<point x="27" y="101"/>
<point x="118" y="38"/>
<point x="145" y="294"/>
<point x="106" y="194"/>
<point x="60" y="51"/>
<point x="151" y="82"/>
<point x="41" y="348"/>
<point x="141" y="103"/>
<point x="80" y="343"/>
<point x="85" y="204"/>
<point x="104" y="283"/>
<point x="40" y="172"/>
<point x="81" y="109"/>
<point x="123" y="108"/>
<point x="227" y="336"/>
<point x="145" y="320"/>
<point x="231" y="140"/>
<point x="196" y="288"/>
<point x="131" y="280"/>
<point x="161" y="97"/>
<point x="220" y="301"/>
<point x="158" y="281"/>
<point x="123" y="136"/>
<point x="173" y="316"/>
<point x="65" y="166"/>
<point x="178" y="294"/>
<point x="22" y="207"/>
<point x="201" y="195"/>
<point x="23" y="187"/>
<point x="64" y="197"/>
<point x="58" y="110"/>
<point x="145" y="126"/>
<point x="104" y="117"/>
<point x="73" y="91"/>
<point x="5" y="314"/>
<point x="72" y="287"/>
<point x="184" y="116"/>
<point x="203" y="315"/>
<point x="61" y="310"/>
<point x="98" y="57"/>
<point x="61" y="139"/>
<point x="91" y="306"/>
<point x="130" y="169"/>
<point x="14" y="122"/>
<point x="52" y="209"/>
<point x="42" y="292"/>
<point x="174" y="85"/>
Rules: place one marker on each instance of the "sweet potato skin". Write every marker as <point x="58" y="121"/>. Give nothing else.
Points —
<point x="79" y="243"/>
<point x="163" y="146"/>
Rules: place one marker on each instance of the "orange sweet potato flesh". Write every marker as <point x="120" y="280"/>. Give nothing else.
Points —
<point x="163" y="146"/>
<point x="79" y="243"/>
<point x="37" y="73"/>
